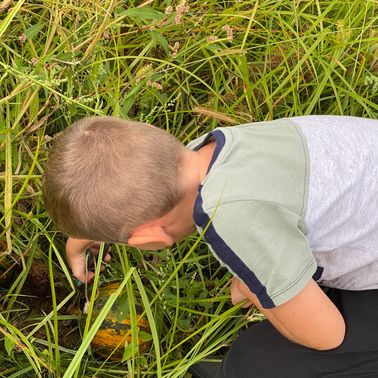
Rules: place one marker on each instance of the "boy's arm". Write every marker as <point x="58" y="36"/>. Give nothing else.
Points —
<point x="309" y="319"/>
<point x="75" y="251"/>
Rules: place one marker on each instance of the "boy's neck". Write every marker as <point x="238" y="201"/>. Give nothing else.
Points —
<point x="194" y="169"/>
<point x="200" y="162"/>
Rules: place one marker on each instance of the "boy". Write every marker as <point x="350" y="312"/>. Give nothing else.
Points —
<point x="286" y="203"/>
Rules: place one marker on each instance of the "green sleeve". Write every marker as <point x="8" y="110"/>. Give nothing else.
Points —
<point x="265" y="245"/>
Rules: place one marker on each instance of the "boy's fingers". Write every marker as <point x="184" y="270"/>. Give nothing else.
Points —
<point x="84" y="278"/>
<point x="236" y="295"/>
<point x="95" y="249"/>
<point x="90" y="277"/>
<point x="81" y="270"/>
<point x="88" y="260"/>
<point x="247" y="304"/>
<point x="91" y="261"/>
<point x="96" y="245"/>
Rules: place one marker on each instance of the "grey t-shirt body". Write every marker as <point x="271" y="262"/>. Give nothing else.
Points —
<point x="287" y="200"/>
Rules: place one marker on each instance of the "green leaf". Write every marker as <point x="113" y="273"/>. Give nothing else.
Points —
<point x="160" y="40"/>
<point x="33" y="30"/>
<point x="143" y="14"/>
<point x="145" y="336"/>
<point x="9" y="345"/>
<point x="123" y="310"/>
<point x="126" y="105"/>
<point x="129" y="352"/>
<point x="103" y="72"/>
<point x="213" y="47"/>
<point x="184" y="324"/>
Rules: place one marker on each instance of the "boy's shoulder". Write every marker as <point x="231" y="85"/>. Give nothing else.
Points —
<point x="263" y="162"/>
<point x="270" y="161"/>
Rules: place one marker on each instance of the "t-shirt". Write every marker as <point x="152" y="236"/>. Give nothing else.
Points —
<point x="288" y="200"/>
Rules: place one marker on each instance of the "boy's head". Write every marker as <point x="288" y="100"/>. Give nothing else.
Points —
<point x="106" y="176"/>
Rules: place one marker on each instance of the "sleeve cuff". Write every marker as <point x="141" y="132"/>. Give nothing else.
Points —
<point x="297" y="286"/>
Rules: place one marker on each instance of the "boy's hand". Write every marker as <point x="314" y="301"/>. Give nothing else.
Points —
<point x="77" y="259"/>
<point x="236" y="295"/>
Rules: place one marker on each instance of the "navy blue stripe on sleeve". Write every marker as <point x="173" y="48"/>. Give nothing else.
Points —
<point x="228" y="256"/>
<point x="318" y="274"/>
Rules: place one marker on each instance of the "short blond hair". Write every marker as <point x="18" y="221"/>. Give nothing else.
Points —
<point x="106" y="176"/>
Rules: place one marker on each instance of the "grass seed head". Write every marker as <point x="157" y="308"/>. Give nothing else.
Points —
<point x="180" y="11"/>
<point x="175" y="49"/>
<point x="168" y="9"/>
<point x="230" y="33"/>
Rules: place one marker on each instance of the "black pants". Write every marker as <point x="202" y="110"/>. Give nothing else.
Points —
<point x="261" y="352"/>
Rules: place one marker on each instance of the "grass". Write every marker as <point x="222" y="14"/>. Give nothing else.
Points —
<point x="217" y="63"/>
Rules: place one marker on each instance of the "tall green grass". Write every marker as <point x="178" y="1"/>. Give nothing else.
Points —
<point x="218" y="63"/>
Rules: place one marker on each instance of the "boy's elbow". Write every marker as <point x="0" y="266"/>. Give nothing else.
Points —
<point x="334" y="338"/>
<point x="331" y="344"/>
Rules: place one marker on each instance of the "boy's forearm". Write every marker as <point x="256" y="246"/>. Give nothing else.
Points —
<point x="282" y="329"/>
<point x="309" y="319"/>
<point x="272" y="319"/>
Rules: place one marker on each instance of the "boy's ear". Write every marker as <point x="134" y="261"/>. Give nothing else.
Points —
<point x="150" y="237"/>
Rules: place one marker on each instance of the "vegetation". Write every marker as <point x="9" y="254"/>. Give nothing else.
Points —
<point x="188" y="68"/>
